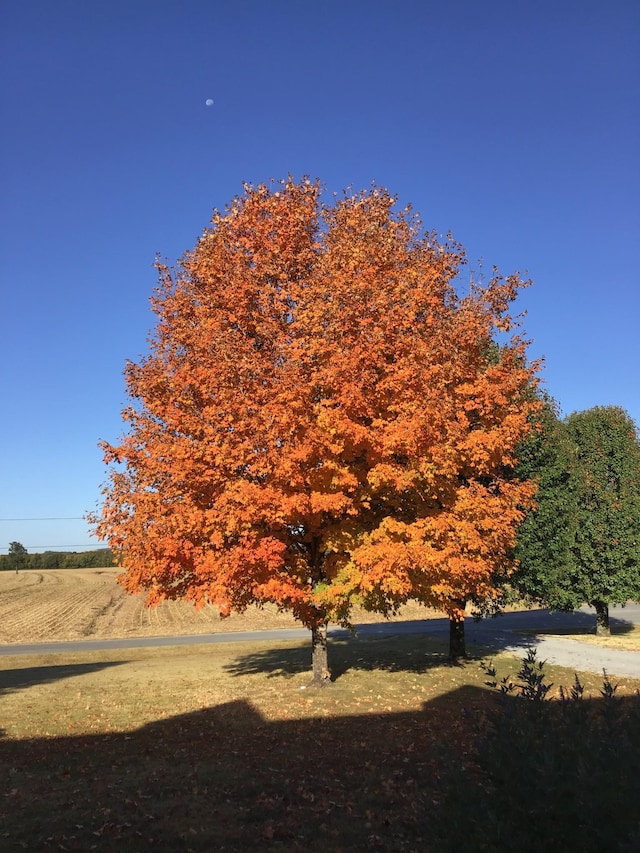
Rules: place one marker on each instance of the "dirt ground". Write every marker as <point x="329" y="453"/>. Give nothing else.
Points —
<point x="72" y="604"/>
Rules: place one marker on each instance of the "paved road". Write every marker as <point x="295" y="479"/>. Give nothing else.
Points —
<point x="500" y="634"/>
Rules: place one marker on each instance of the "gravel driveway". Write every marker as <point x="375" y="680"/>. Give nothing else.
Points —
<point x="583" y="657"/>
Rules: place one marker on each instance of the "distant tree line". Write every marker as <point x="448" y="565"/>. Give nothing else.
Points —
<point x="19" y="559"/>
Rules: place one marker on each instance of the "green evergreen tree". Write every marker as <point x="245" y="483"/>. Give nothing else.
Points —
<point x="606" y="546"/>
<point x="581" y="544"/>
<point x="545" y="536"/>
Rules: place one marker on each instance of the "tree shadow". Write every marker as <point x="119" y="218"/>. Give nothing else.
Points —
<point x="228" y="778"/>
<point x="419" y="645"/>
<point x="387" y="652"/>
<point x="519" y="630"/>
<point x="12" y="680"/>
<point x="531" y="621"/>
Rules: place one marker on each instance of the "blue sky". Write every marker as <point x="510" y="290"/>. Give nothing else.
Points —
<point x="515" y="125"/>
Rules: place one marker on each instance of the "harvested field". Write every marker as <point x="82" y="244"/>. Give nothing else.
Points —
<point x="73" y="604"/>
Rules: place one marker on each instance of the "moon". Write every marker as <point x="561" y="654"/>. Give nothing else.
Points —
<point x="209" y="102"/>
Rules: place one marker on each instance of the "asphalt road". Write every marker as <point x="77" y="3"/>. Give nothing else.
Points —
<point x="500" y="634"/>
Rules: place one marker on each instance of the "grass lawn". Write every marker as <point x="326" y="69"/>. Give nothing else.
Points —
<point x="221" y="747"/>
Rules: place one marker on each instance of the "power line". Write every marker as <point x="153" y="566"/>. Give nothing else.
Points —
<point x="50" y="518"/>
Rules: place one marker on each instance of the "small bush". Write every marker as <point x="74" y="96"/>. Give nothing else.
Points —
<point x="550" y="775"/>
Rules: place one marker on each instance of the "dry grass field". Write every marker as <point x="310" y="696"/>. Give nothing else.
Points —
<point x="74" y="604"/>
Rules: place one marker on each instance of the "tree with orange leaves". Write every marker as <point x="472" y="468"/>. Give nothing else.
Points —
<point x="322" y="420"/>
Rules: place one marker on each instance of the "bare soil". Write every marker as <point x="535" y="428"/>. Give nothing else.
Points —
<point x="73" y="604"/>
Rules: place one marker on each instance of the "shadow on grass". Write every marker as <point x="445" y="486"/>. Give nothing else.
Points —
<point x="419" y="645"/>
<point x="415" y="653"/>
<point x="546" y="620"/>
<point x="507" y="630"/>
<point x="438" y="779"/>
<point x="19" y="679"/>
<point x="516" y="630"/>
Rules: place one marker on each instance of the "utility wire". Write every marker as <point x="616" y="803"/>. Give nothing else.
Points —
<point x="50" y="518"/>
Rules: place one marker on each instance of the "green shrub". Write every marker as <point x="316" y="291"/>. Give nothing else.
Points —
<point x="549" y="775"/>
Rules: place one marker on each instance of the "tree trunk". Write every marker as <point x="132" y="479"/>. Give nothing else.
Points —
<point x="457" y="648"/>
<point x="602" y="619"/>
<point x="319" y="658"/>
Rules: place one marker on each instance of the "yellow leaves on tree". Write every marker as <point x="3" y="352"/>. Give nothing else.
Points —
<point x="321" y="418"/>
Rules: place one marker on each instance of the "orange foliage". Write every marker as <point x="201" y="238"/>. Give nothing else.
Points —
<point x="321" y="419"/>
